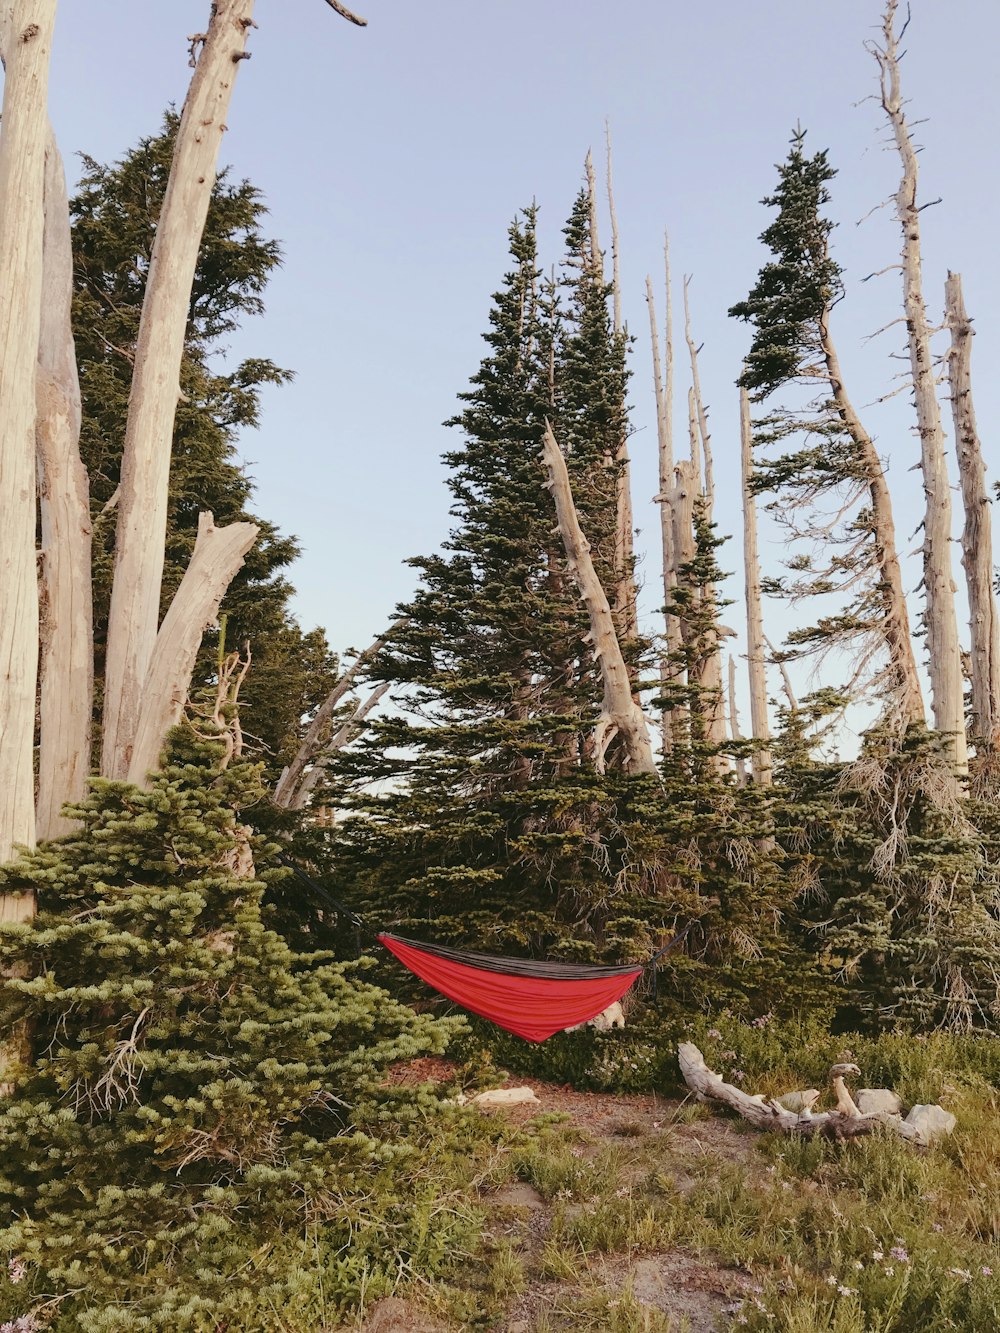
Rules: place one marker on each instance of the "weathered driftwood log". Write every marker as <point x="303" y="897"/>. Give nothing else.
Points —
<point x="769" y="1113"/>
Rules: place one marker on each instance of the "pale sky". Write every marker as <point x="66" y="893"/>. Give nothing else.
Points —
<point x="393" y="158"/>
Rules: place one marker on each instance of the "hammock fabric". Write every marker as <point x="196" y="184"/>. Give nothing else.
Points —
<point x="532" y="999"/>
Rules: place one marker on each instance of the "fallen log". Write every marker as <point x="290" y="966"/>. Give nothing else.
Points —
<point x="839" y="1124"/>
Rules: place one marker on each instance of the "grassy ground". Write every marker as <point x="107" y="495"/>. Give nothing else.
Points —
<point x="625" y="1213"/>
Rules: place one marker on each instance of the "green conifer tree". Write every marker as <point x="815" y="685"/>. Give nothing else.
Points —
<point x="205" y="1137"/>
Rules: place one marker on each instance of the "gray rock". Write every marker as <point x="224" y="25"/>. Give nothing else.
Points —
<point x="931" y="1122"/>
<point x="881" y="1100"/>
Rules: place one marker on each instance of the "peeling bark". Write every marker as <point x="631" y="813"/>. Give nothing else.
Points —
<point x="218" y="554"/>
<point x="67" y="638"/>
<point x="977" y="533"/>
<point x="944" y="652"/>
<point x="142" y="513"/>
<point x="760" y="728"/>
<point x="27" y="28"/>
<point x="621" y="716"/>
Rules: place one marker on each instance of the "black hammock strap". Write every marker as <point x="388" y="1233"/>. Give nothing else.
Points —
<point x="488" y="962"/>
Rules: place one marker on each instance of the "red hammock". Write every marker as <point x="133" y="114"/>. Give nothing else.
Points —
<point x="529" y="998"/>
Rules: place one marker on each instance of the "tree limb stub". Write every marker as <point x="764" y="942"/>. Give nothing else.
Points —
<point x="218" y="554"/>
<point x="345" y="13"/>
<point x="764" y="1113"/>
<point x="620" y="714"/>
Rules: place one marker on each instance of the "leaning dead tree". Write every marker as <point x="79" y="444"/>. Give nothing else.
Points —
<point x="977" y="533"/>
<point x="760" y="728"/>
<point x="944" y="651"/>
<point x="621" y="717"/>
<point x="294" y="785"/>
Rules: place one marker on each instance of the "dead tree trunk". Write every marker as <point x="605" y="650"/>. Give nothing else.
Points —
<point x="620" y="716"/>
<point x="698" y="407"/>
<point x="67" y="638"/>
<point x="27" y="36"/>
<point x="625" y="592"/>
<point x="905" y="688"/>
<point x="734" y="723"/>
<point x="663" y="387"/>
<point x="350" y="731"/>
<point x="944" y="652"/>
<point x="760" y="727"/>
<point x="142" y="513"/>
<point x="289" y="785"/>
<point x="977" y="534"/>
<point x="218" y="554"/>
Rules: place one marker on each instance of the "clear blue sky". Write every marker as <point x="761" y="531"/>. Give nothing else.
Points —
<point x="393" y="158"/>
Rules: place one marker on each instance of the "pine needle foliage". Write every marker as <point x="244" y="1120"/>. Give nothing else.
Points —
<point x="205" y="1131"/>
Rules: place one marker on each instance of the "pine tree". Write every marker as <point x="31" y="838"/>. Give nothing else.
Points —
<point x="201" y="1100"/>
<point x="829" y="487"/>
<point x="114" y="221"/>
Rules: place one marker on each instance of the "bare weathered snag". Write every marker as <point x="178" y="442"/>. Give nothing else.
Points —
<point x="27" y="35"/>
<point x="350" y="731"/>
<point x="288" y="790"/>
<point x="944" y="652"/>
<point x="217" y="555"/>
<point x="904" y="689"/>
<point x="977" y="533"/>
<point x="142" y="511"/>
<point x="663" y="387"/>
<point x="67" y="647"/>
<point x="621" y="716"/>
<point x="734" y="723"/>
<point x="760" y="727"/>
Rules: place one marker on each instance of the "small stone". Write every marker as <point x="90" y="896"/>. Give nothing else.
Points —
<point x="505" y="1097"/>
<point x="881" y="1101"/>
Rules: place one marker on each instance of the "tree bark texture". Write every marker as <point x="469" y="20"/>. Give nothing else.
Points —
<point x="67" y="638"/>
<point x="27" y="33"/>
<point x="287" y="791"/>
<point x="142" y="512"/>
<point x="905" y="687"/>
<point x="620" y="716"/>
<point x="977" y="533"/>
<point x="760" y="728"/>
<point x="218" y="554"/>
<point x="944" y="652"/>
